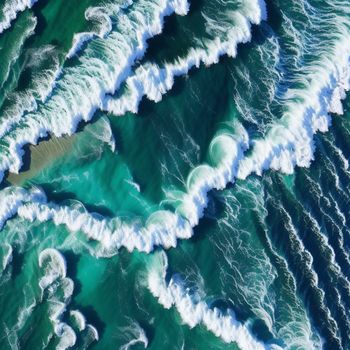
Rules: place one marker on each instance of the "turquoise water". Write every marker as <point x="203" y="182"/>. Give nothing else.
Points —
<point x="174" y="174"/>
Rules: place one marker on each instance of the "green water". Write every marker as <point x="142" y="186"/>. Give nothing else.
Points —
<point x="273" y="248"/>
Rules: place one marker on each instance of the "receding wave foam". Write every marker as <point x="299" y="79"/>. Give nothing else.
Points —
<point x="194" y="311"/>
<point x="59" y="290"/>
<point x="103" y="17"/>
<point x="152" y="81"/>
<point x="10" y="11"/>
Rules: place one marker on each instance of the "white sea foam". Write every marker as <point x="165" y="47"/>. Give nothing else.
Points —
<point x="79" y="319"/>
<point x="102" y="16"/>
<point x="53" y="281"/>
<point x="194" y="311"/>
<point x="289" y="143"/>
<point x="162" y="228"/>
<point x="6" y="255"/>
<point x="153" y="81"/>
<point x="59" y="290"/>
<point x="10" y="10"/>
<point x="67" y="336"/>
<point x="136" y="333"/>
<point x="55" y="267"/>
<point x="43" y="83"/>
<point x="17" y="48"/>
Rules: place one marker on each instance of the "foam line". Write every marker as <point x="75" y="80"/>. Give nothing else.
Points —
<point x="55" y="280"/>
<point x="194" y="311"/>
<point x="152" y="81"/>
<point x="45" y="82"/>
<point x="11" y="9"/>
<point x="290" y="142"/>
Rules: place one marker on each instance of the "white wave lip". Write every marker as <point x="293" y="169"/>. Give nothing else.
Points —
<point x="194" y="311"/>
<point x="290" y="142"/>
<point x="152" y="81"/>
<point x="163" y="227"/>
<point x="78" y="94"/>
<point x="79" y="319"/>
<point x="137" y="333"/>
<point x="103" y="15"/>
<point x="11" y="9"/>
<point x="54" y="264"/>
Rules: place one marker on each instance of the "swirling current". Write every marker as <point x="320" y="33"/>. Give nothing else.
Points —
<point x="175" y="174"/>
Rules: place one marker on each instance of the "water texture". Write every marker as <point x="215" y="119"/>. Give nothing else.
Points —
<point x="174" y="174"/>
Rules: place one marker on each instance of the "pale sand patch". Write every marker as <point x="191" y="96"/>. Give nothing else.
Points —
<point x="41" y="155"/>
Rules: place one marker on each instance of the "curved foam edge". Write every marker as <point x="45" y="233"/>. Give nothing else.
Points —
<point x="103" y="15"/>
<point x="79" y="319"/>
<point x="194" y="311"/>
<point x="11" y="9"/>
<point x="153" y="81"/>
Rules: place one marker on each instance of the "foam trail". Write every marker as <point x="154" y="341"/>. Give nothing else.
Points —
<point x="137" y="333"/>
<point x="6" y="255"/>
<point x="93" y="332"/>
<point x="152" y="81"/>
<point x="103" y="15"/>
<point x="11" y="9"/>
<point x="16" y="52"/>
<point x="163" y="228"/>
<point x="83" y="87"/>
<point x="194" y="311"/>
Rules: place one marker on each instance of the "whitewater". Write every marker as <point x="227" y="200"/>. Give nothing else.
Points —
<point x="263" y="187"/>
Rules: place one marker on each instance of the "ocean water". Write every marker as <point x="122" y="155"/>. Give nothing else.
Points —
<point x="174" y="174"/>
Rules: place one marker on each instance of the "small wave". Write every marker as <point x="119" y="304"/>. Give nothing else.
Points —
<point x="11" y="9"/>
<point x="152" y="81"/>
<point x="136" y="333"/>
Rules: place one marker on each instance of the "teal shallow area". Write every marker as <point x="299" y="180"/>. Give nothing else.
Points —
<point x="270" y="249"/>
